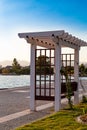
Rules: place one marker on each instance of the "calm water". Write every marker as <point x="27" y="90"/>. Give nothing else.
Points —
<point x="14" y="81"/>
<point x="11" y="81"/>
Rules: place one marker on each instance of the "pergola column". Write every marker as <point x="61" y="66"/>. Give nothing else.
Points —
<point x="57" y="77"/>
<point x="76" y="74"/>
<point x="32" y="78"/>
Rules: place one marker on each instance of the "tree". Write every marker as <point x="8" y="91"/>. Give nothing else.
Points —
<point x="43" y="65"/>
<point x="16" y="66"/>
<point x="25" y="70"/>
<point x="82" y="69"/>
<point x="5" y="71"/>
<point x="65" y="72"/>
<point x="0" y="69"/>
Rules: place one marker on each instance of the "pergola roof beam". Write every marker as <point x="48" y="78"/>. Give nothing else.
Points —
<point x="68" y="44"/>
<point x="40" y="43"/>
<point x="47" y="39"/>
<point x="41" y="34"/>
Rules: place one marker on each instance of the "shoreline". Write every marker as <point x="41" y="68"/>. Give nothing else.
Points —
<point x="15" y="87"/>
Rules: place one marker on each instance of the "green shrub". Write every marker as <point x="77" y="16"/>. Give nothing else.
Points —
<point x="84" y="99"/>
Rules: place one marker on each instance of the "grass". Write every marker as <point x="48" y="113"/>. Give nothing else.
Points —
<point x="62" y="120"/>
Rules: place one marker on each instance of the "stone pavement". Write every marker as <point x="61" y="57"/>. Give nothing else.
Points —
<point x="23" y="113"/>
<point x="14" y="108"/>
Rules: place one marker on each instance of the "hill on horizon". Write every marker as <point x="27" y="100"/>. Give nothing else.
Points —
<point x="9" y="62"/>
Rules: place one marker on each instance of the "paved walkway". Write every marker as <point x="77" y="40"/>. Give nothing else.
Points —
<point x="14" y="108"/>
<point x="23" y="113"/>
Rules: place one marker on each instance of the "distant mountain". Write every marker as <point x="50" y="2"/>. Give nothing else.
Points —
<point x="8" y="62"/>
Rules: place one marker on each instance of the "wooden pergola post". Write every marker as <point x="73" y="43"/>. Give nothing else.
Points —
<point x="76" y="74"/>
<point x="32" y="78"/>
<point x="57" y="77"/>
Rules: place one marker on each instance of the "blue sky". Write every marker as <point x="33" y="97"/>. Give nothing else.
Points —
<point x="39" y="15"/>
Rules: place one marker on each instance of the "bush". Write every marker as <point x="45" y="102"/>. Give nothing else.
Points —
<point x="84" y="99"/>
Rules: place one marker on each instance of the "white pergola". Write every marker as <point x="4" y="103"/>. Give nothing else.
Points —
<point x="57" y="40"/>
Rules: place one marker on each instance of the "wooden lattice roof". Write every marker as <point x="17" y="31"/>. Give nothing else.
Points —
<point x="49" y="38"/>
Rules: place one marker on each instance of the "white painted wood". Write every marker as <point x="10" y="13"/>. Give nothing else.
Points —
<point x="49" y="39"/>
<point x="76" y="97"/>
<point x="59" y="33"/>
<point x="76" y="73"/>
<point x="68" y="44"/>
<point x="76" y="64"/>
<point x="41" y="43"/>
<point x="57" y="77"/>
<point x="38" y="34"/>
<point x="32" y="78"/>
